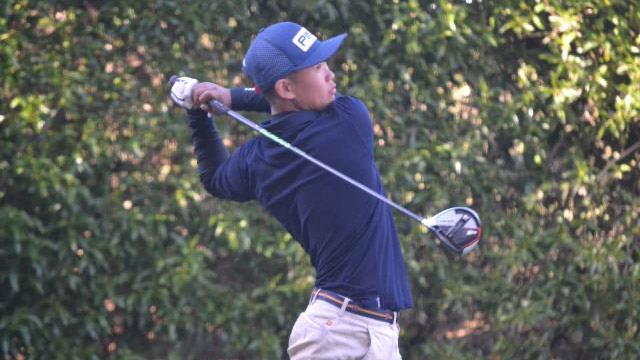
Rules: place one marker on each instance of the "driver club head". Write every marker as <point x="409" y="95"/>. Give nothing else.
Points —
<point x="458" y="228"/>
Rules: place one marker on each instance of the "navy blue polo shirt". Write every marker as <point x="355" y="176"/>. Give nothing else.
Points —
<point x="349" y="235"/>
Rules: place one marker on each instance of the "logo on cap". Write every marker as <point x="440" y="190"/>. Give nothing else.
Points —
<point x="304" y="39"/>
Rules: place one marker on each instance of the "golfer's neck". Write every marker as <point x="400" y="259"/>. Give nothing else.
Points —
<point x="281" y="105"/>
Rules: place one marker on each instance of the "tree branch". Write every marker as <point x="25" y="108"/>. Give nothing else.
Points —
<point x="628" y="151"/>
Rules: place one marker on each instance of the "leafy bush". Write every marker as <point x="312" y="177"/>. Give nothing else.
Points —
<point x="526" y="111"/>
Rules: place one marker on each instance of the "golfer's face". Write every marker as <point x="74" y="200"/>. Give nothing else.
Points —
<point x="314" y="87"/>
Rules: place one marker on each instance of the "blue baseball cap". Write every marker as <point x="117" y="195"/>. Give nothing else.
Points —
<point x="283" y="48"/>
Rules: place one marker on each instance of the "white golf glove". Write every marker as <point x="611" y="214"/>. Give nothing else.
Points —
<point x="181" y="92"/>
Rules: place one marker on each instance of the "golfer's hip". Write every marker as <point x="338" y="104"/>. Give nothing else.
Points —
<point x="326" y="330"/>
<point x="370" y="311"/>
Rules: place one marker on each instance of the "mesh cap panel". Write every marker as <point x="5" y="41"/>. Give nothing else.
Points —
<point x="271" y="63"/>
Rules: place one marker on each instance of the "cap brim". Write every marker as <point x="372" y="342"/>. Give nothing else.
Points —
<point x="326" y="49"/>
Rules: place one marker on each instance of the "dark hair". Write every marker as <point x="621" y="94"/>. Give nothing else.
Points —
<point x="271" y="94"/>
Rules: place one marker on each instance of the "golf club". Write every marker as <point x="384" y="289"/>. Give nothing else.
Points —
<point x="458" y="228"/>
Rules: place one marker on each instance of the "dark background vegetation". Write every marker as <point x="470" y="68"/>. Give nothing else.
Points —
<point x="527" y="111"/>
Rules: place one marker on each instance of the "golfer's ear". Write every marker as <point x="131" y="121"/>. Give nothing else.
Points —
<point x="283" y="89"/>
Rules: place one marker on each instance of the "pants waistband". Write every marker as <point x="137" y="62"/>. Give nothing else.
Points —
<point x="344" y="303"/>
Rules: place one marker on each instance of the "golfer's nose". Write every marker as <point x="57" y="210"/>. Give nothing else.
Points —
<point x="330" y="74"/>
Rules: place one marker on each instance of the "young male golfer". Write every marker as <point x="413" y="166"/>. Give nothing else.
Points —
<point x="361" y="281"/>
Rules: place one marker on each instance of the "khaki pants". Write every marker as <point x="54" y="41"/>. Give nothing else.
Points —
<point x="324" y="331"/>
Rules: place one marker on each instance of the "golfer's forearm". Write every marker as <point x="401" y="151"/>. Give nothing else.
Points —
<point x="246" y="99"/>
<point x="208" y="145"/>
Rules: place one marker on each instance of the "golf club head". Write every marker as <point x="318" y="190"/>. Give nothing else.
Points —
<point x="458" y="228"/>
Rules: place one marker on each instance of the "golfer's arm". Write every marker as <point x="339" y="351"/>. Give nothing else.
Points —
<point x="209" y="148"/>
<point x="246" y="99"/>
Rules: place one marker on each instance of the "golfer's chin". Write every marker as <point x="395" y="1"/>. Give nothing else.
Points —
<point x="332" y="97"/>
<point x="320" y="106"/>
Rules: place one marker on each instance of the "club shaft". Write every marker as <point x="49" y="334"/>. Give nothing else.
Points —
<point x="224" y="109"/>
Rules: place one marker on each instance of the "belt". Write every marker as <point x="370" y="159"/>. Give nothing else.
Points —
<point x="340" y="301"/>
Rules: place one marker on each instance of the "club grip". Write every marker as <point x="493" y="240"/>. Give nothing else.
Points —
<point x="213" y="104"/>
<point x="218" y="106"/>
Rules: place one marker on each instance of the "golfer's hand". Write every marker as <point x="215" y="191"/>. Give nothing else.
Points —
<point x="182" y="90"/>
<point x="203" y="92"/>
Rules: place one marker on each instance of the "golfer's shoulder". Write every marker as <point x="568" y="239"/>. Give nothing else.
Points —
<point x="351" y="105"/>
<point x="354" y="114"/>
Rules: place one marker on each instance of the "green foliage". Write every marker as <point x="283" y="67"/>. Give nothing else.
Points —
<point x="527" y="111"/>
